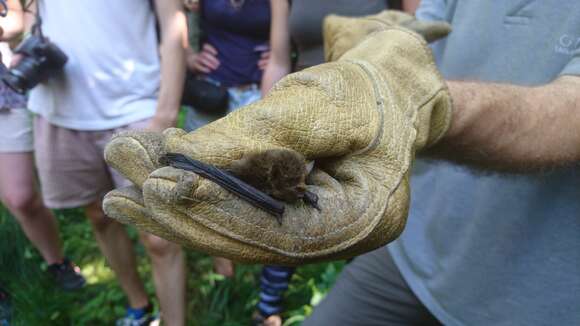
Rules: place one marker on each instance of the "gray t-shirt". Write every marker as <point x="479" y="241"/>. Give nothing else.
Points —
<point x="306" y="17"/>
<point x="498" y="249"/>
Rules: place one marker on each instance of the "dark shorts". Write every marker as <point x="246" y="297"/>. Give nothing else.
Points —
<point x="371" y="291"/>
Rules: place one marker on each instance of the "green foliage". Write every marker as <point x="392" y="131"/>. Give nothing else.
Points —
<point x="212" y="300"/>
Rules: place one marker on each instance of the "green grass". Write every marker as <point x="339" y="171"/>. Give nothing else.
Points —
<point x="212" y="300"/>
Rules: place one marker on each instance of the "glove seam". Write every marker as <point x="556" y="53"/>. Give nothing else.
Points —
<point x="448" y="116"/>
<point x="139" y="143"/>
<point x="146" y="151"/>
<point x="379" y="108"/>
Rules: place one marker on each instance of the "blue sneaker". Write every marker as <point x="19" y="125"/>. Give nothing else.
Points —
<point x="138" y="317"/>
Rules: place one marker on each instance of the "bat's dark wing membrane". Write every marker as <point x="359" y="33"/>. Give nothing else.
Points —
<point x="240" y="188"/>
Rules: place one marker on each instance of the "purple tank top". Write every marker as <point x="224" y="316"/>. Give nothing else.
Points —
<point x="240" y="31"/>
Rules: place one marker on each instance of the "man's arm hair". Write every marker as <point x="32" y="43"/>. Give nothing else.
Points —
<point x="513" y="128"/>
<point x="173" y="32"/>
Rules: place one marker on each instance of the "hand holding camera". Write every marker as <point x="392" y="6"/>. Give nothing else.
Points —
<point x="36" y="59"/>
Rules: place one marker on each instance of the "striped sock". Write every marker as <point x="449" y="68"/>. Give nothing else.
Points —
<point x="273" y="283"/>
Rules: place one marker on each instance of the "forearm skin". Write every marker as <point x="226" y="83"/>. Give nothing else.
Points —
<point x="173" y="44"/>
<point x="279" y="63"/>
<point x="513" y="128"/>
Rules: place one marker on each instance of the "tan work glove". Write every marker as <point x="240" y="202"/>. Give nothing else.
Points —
<point x="344" y="33"/>
<point x="362" y="119"/>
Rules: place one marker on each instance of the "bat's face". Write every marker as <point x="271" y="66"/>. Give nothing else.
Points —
<point x="291" y="188"/>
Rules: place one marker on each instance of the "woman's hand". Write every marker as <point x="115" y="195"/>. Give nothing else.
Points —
<point x="264" y="59"/>
<point x="204" y="61"/>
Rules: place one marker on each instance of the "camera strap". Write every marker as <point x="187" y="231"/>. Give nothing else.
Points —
<point x="36" y="29"/>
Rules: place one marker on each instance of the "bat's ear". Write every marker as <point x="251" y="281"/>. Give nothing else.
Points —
<point x="309" y="167"/>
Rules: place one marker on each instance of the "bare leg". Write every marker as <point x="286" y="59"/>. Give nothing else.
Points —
<point x="18" y="192"/>
<point x="118" y="249"/>
<point x="274" y="320"/>
<point x="169" y="270"/>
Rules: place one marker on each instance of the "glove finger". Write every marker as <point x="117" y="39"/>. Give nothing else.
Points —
<point x="126" y="206"/>
<point x="430" y="30"/>
<point x="135" y="154"/>
<point x="341" y="33"/>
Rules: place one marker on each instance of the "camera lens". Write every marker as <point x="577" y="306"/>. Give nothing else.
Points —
<point x="42" y="59"/>
<point x="22" y="77"/>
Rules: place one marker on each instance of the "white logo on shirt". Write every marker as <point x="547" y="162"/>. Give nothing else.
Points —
<point x="568" y="44"/>
<point x="124" y="73"/>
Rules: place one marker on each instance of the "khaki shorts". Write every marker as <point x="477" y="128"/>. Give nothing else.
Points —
<point x="15" y="131"/>
<point x="71" y="164"/>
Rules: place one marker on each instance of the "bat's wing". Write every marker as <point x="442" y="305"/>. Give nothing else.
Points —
<point x="240" y="188"/>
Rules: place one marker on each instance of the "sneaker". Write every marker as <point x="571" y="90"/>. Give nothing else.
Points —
<point x="67" y="275"/>
<point x="5" y="308"/>
<point x="259" y="320"/>
<point x="138" y="317"/>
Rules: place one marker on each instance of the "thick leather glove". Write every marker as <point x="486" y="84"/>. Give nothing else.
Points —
<point x="344" y="33"/>
<point x="362" y="119"/>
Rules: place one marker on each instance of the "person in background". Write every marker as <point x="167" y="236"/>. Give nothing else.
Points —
<point x="18" y="187"/>
<point x="301" y="23"/>
<point x="117" y="78"/>
<point x="193" y="29"/>
<point x="233" y="53"/>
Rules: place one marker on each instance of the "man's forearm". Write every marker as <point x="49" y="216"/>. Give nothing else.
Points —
<point x="173" y="43"/>
<point x="172" y="79"/>
<point x="279" y="64"/>
<point x="513" y="128"/>
<point x="273" y="74"/>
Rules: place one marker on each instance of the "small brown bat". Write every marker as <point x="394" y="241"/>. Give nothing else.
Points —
<point x="280" y="173"/>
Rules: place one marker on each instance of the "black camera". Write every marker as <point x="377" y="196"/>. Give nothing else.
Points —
<point x="41" y="60"/>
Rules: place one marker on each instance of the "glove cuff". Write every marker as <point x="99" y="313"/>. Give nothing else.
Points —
<point x="341" y="33"/>
<point x="403" y="72"/>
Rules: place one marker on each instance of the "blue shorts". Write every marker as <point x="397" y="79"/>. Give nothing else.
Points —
<point x="239" y="96"/>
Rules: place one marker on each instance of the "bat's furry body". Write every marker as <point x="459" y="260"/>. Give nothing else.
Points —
<point x="280" y="173"/>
